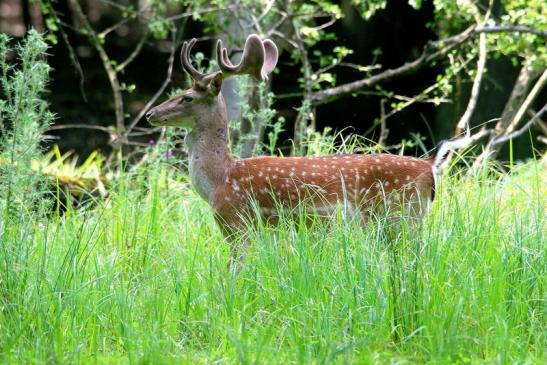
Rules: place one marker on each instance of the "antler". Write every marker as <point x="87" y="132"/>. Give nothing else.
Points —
<point x="258" y="60"/>
<point x="187" y="63"/>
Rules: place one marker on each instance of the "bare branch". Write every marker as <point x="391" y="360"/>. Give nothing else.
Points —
<point x="433" y="50"/>
<point x="464" y="122"/>
<point x="473" y="98"/>
<point x="528" y="101"/>
<point x="110" y="71"/>
<point x="511" y="29"/>
<point x="304" y="113"/>
<point x="201" y="12"/>
<point x="79" y="126"/>
<point x="285" y="38"/>
<point x="383" y="129"/>
<point x="135" y="52"/>
<point x="429" y="54"/>
<point x="525" y="127"/>
<point x="71" y="54"/>
<point x="511" y="116"/>
<point x="162" y="88"/>
<point x="284" y="16"/>
<point x="326" y="25"/>
<point x="349" y="65"/>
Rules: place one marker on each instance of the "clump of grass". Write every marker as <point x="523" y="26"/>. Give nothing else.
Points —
<point x="142" y="278"/>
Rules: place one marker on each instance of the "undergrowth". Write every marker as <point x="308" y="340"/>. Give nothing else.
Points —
<point x="142" y="278"/>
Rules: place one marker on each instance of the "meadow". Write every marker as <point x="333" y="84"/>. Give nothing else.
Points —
<point x="141" y="278"/>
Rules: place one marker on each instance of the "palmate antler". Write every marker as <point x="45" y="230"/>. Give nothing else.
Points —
<point x="258" y="60"/>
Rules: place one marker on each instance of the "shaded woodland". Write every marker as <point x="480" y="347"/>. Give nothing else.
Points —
<point x="400" y="74"/>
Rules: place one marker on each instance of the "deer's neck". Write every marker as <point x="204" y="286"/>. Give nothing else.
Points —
<point x="209" y="160"/>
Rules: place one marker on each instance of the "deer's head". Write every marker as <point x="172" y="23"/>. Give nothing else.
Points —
<point x="202" y="101"/>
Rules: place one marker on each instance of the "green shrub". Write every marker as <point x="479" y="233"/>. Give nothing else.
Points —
<point x="23" y="117"/>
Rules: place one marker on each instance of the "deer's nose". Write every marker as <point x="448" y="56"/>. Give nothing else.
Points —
<point x="149" y="115"/>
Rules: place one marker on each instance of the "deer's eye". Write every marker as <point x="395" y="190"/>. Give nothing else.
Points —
<point x="187" y="99"/>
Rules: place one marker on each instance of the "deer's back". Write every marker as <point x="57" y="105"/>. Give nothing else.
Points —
<point x="364" y="181"/>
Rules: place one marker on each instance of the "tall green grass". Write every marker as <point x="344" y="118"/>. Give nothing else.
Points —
<point x="142" y="278"/>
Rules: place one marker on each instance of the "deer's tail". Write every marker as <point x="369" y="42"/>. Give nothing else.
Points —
<point x="448" y="145"/>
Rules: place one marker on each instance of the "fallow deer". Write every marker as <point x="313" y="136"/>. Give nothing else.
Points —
<point x="231" y="186"/>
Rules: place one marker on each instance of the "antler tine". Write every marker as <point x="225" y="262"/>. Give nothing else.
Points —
<point x="187" y="63"/>
<point x="224" y="63"/>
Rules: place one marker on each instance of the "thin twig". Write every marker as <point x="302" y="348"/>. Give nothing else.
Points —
<point x="433" y="50"/>
<point x="475" y="89"/>
<point x="511" y="29"/>
<point x="106" y="61"/>
<point x="71" y="54"/>
<point x="135" y="52"/>
<point x="349" y="65"/>
<point x="200" y="12"/>
<point x="325" y="25"/>
<point x="383" y="128"/>
<point x="305" y="113"/>
<point x="524" y="128"/>
<point x="79" y="126"/>
<point x="538" y="86"/>
<point x="162" y="88"/>
<point x="285" y="38"/>
<point x="429" y="54"/>
<point x="277" y="24"/>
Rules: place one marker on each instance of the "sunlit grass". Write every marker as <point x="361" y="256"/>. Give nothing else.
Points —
<point x="142" y="278"/>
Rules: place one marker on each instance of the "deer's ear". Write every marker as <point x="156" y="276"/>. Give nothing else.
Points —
<point x="216" y="84"/>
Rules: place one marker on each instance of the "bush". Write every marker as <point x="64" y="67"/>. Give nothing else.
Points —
<point x="23" y="118"/>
